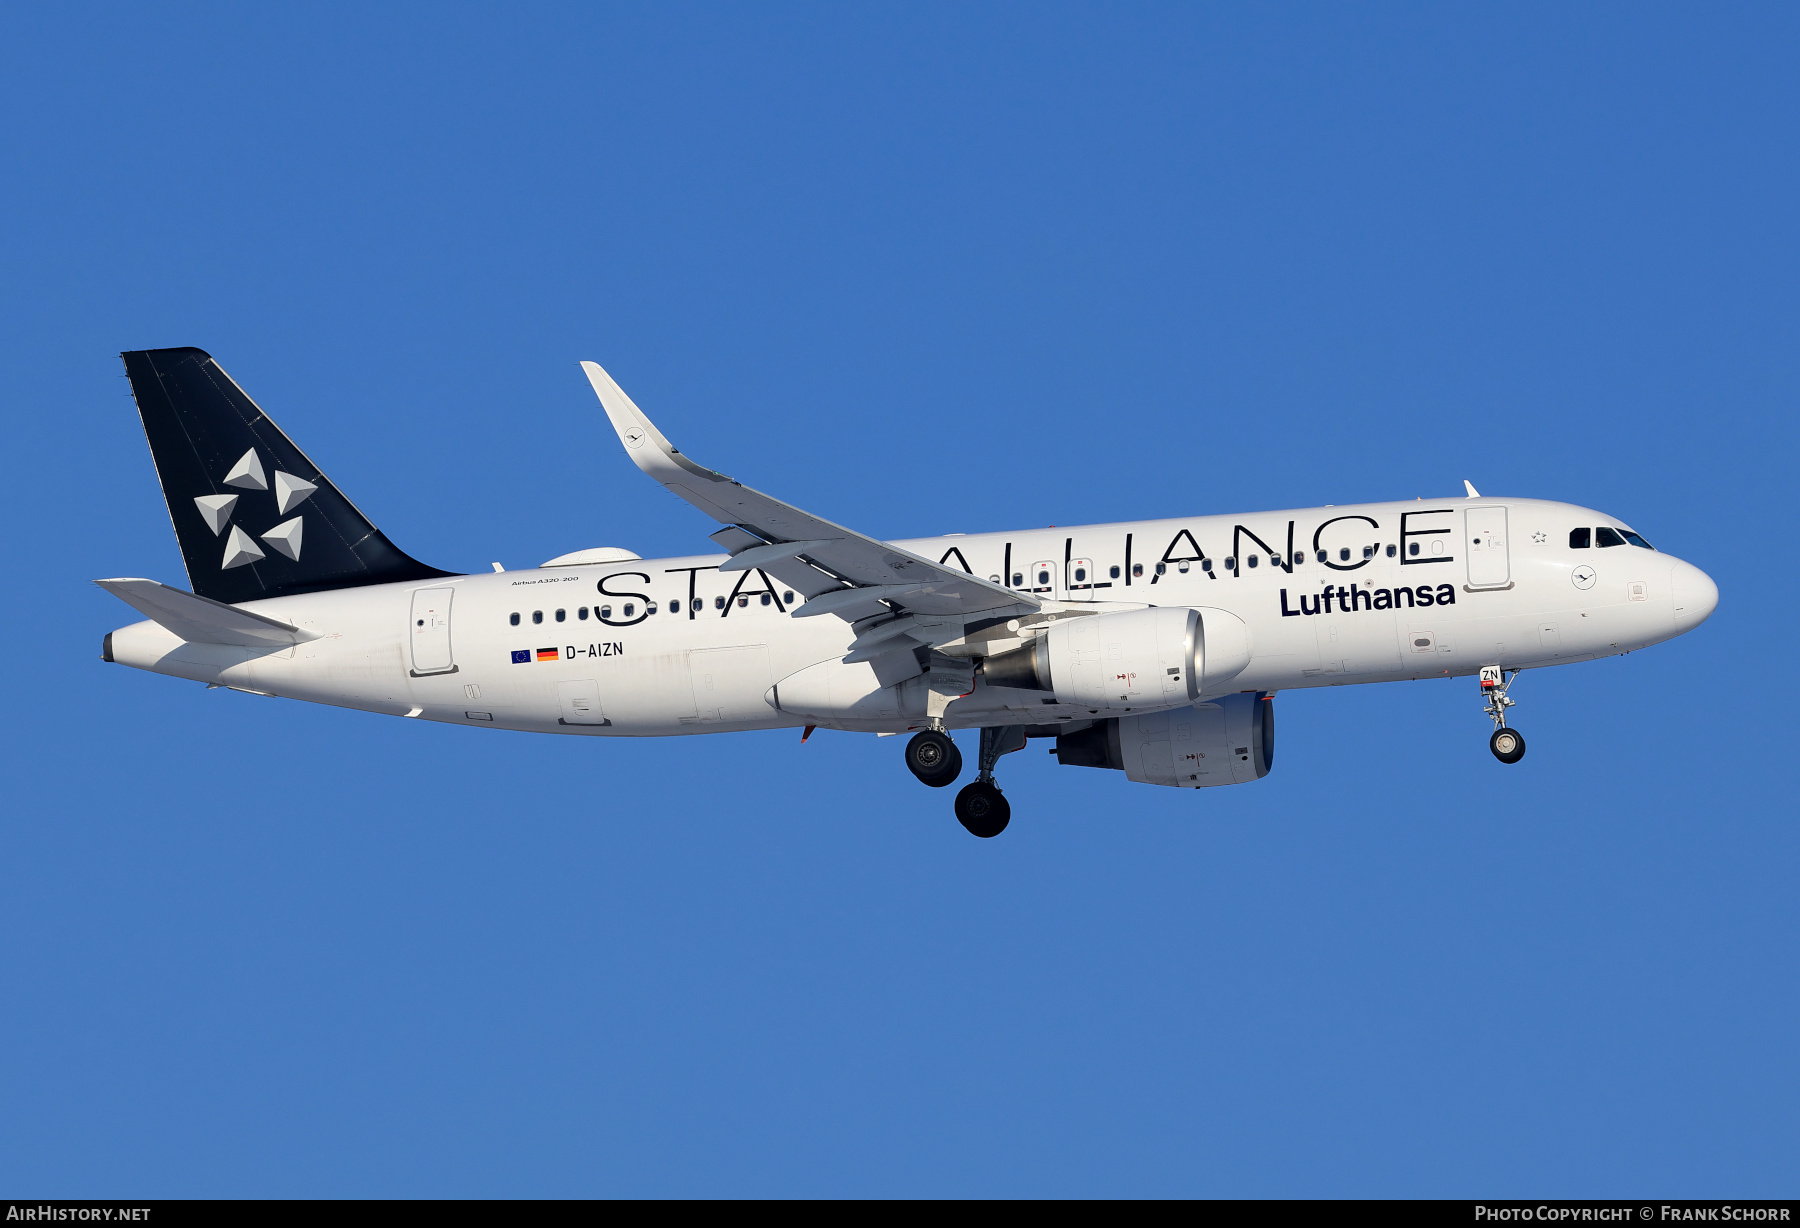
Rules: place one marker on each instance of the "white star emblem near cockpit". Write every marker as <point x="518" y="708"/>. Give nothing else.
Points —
<point x="284" y="538"/>
<point x="1539" y="538"/>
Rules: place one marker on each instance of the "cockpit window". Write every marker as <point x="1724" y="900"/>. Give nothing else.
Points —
<point x="1608" y="537"/>
<point x="1635" y="540"/>
<point x="1579" y="539"/>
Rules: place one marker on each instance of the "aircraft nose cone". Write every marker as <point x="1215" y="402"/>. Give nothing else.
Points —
<point x="1696" y="596"/>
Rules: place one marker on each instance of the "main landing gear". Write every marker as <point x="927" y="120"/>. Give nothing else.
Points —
<point x="1507" y="744"/>
<point x="933" y="758"/>
<point x="980" y="807"/>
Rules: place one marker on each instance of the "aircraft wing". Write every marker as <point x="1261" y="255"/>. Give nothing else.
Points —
<point x="840" y="571"/>
<point x="201" y="620"/>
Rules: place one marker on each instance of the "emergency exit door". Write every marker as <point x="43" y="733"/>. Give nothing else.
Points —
<point x="1079" y="579"/>
<point x="431" y="631"/>
<point x="1485" y="540"/>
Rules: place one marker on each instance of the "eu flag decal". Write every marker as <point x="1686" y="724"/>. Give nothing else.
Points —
<point x="522" y="656"/>
<point x="549" y="654"/>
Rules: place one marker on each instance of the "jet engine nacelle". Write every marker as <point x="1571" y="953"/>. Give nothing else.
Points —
<point x="1131" y="660"/>
<point x="1228" y="741"/>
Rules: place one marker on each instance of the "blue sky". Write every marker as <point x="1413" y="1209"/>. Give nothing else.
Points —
<point x="920" y="269"/>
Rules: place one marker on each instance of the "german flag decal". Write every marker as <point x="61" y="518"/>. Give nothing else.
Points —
<point x="549" y="654"/>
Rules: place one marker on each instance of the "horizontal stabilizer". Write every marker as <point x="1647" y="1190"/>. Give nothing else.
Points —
<point x="201" y="620"/>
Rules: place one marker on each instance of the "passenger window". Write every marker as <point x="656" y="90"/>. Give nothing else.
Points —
<point x="514" y="620"/>
<point x="1114" y="572"/>
<point x="1080" y="574"/>
<point x="1206" y="566"/>
<point x="1368" y="552"/>
<point x="787" y="598"/>
<point x="718" y="603"/>
<point x="630" y="609"/>
<point x="605" y="611"/>
<point x="1579" y="539"/>
<point x="1608" y="537"/>
<point x="649" y="607"/>
<point x="699" y="604"/>
<point x="1323" y="556"/>
<point x="1018" y="579"/>
<point x="1137" y="571"/>
<point x="743" y="603"/>
<point x="1391" y="552"/>
<point x="1635" y="540"/>
<point x="765" y="599"/>
<point x="1253" y="560"/>
<point x="537" y="616"/>
<point x="581" y="613"/>
<point x="1412" y="548"/>
<point x="562" y="616"/>
<point x="1299" y="557"/>
<point x="1231" y="563"/>
<point x="1343" y="554"/>
<point x="1043" y="577"/>
<point x="1182" y="567"/>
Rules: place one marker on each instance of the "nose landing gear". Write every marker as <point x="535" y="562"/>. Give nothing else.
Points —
<point x="1507" y="744"/>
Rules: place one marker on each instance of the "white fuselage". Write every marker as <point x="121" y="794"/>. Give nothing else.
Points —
<point x="1404" y="591"/>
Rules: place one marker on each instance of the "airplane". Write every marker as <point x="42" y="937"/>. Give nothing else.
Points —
<point x="1154" y="648"/>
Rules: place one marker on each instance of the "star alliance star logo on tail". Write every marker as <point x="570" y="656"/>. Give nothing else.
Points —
<point x="284" y="538"/>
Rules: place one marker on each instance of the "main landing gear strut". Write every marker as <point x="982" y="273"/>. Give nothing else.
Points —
<point x="980" y="807"/>
<point x="1507" y="744"/>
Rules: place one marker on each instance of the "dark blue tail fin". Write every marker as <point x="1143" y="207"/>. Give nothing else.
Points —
<point x="254" y="517"/>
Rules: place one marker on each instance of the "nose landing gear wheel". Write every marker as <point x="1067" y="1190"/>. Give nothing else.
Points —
<point x="933" y="758"/>
<point x="1508" y="745"/>
<point x="982" y="809"/>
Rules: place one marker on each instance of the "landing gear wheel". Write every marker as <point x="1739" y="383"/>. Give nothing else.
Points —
<point x="1508" y="745"/>
<point x="933" y="758"/>
<point x="982" y="809"/>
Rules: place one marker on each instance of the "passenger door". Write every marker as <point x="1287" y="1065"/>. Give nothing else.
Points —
<point x="431" y="632"/>
<point x="1042" y="578"/>
<point x="1489" y="564"/>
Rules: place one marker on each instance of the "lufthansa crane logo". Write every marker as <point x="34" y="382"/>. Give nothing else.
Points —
<point x="240" y="547"/>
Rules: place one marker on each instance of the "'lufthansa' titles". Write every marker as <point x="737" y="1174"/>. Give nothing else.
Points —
<point x="1350" y="600"/>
